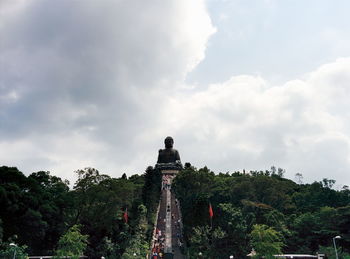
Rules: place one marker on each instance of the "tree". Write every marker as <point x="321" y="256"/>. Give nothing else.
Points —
<point x="13" y="251"/>
<point x="205" y="240"/>
<point x="231" y="220"/>
<point x="266" y="241"/>
<point x="32" y="208"/>
<point x="72" y="243"/>
<point x="138" y="243"/>
<point x="330" y="252"/>
<point x="151" y="191"/>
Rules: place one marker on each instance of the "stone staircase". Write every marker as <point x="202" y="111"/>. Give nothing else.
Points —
<point x="167" y="238"/>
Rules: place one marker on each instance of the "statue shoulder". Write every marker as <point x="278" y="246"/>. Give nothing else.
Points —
<point x="160" y="151"/>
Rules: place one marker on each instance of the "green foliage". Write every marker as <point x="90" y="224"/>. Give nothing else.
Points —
<point x="9" y="251"/>
<point x="72" y="244"/>
<point x="151" y="191"/>
<point x="108" y="249"/>
<point x="305" y="215"/>
<point x="330" y="252"/>
<point x="232" y="221"/>
<point x="37" y="209"/>
<point x="266" y="241"/>
<point x="138" y="244"/>
<point x="205" y="240"/>
<point x="32" y="208"/>
<point x="200" y="239"/>
<point x="100" y="203"/>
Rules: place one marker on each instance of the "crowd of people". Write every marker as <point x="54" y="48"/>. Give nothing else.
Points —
<point x="173" y="211"/>
<point x="158" y="247"/>
<point x="167" y="180"/>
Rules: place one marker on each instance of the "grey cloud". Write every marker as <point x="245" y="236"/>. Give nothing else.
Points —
<point x="91" y="74"/>
<point x="91" y="56"/>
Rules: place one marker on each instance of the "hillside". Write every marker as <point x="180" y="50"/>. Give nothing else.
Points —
<point x="305" y="217"/>
<point x="38" y="209"/>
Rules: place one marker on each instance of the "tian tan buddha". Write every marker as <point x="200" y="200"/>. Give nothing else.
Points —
<point x="169" y="156"/>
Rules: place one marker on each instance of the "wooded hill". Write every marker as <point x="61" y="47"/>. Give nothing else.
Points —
<point x="294" y="218"/>
<point x="39" y="209"/>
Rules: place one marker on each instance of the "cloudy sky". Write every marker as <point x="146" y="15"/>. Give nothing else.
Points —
<point x="238" y="84"/>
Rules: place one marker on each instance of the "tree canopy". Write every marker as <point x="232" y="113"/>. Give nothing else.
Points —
<point x="250" y="211"/>
<point x="302" y="217"/>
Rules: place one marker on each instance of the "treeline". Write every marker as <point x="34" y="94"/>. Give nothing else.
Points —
<point x="36" y="211"/>
<point x="261" y="211"/>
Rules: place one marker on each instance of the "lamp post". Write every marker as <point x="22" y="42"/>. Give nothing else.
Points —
<point x="335" y="247"/>
<point x="14" y="253"/>
<point x="200" y="254"/>
<point x="231" y="256"/>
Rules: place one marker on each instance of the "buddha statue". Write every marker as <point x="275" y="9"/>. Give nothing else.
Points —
<point x="169" y="156"/>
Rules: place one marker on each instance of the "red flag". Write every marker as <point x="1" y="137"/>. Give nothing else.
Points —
<point x="211" y="213"/>
<point x="125" y="216"/>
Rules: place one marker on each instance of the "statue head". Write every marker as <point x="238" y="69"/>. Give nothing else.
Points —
<point x="169" y="142"/>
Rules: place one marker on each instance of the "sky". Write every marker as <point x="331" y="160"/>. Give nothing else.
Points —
<point x="238" y="85"/>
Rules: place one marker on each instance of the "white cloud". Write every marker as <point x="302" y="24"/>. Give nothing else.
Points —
<point x="248" y="123"/>
<point x="101" y="83"/>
